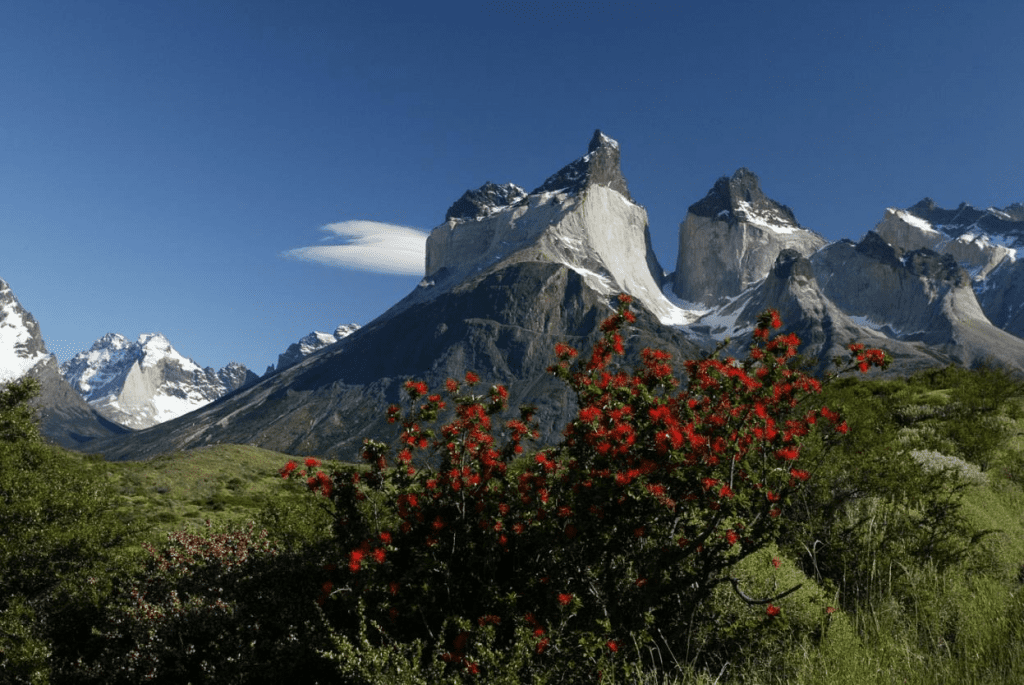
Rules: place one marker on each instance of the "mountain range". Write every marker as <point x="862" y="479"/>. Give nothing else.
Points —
<point x="509" y="273"/>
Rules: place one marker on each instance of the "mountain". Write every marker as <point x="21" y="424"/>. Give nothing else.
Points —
<point x="143" y="383"/>
<point x="65" y="418"/>
<point x="983" y="242"/>
<point x="309" y="344"/>
<point x="730" y="239"/>
<point x="508" y="275"/>
<point x="824" y="329"/>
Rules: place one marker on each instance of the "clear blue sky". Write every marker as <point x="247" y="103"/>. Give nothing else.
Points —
<point x="158" y="159"/>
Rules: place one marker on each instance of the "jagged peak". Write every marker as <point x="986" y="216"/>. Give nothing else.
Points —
<point x="485" y="200"/>
<point x="739" y="198"/>
<point x="600" y="166"/>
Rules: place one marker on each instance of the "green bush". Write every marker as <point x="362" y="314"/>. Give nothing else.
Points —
<point x="61" y="547"/>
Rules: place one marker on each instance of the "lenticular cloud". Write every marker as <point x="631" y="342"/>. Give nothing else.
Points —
<point x="368" y="246"/>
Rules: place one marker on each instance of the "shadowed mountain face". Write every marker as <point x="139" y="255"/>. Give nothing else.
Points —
<point x="730" y="239"/>
<point x="503" y="326"/>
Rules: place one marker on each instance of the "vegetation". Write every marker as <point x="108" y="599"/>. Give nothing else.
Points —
<point x="643" y="548"/>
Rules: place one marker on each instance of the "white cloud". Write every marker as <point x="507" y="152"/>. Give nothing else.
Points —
<point x="368" y="246"/>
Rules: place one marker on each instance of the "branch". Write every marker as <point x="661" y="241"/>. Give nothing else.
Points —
<point x="751" y="600"/>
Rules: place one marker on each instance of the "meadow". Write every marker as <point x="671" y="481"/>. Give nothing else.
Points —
<point x="906" y="543"/>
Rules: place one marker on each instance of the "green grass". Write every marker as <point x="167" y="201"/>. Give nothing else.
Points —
<point x="225" y="484"/>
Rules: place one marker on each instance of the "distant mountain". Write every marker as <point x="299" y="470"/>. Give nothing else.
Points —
<point x="509" y="273"/>
<point x="143" y="383"/>
<point x="65" y="418"/>
<point x="309" y="344"/>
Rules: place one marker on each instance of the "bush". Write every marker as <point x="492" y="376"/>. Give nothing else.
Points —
<point x="213" y="606"/>
<point x="602" y="549"/>
<point x="61" y="546"/>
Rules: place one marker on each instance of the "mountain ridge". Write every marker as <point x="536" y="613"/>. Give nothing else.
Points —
<point x="508" y="274"/>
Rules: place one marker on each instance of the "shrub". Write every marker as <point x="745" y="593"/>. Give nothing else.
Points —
<point x="213" y="606"/>
<point x="602" y="548"/>
<point x="61" y="545"/>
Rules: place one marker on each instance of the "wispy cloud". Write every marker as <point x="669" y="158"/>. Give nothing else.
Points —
<point x="368" y="246"/>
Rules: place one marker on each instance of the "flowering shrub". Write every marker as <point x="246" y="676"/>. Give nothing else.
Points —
<point x="212" y="606"/>
<point x="631" y="522"/>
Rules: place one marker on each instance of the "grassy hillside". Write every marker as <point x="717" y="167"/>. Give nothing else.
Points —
<point x="908" y="542"/>
<point x="226" y="484"/>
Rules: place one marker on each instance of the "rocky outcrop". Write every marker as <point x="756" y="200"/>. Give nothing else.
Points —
<point x="825" y="331"/>
<point x="984" y="242"/>
<point x="917" y="295"/>
<point x="484" y="201"/>
<point x="147" y="382"/>
<point x="976" y="252"/>
<point x="731" y="238"/>
<point x="581" y="216"/>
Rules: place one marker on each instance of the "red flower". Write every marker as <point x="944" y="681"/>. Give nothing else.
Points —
<point x="472" y="377"/>
<point x="312" y="463"/>
<point x="355" y="558"/>
<point x="564" y="598"/>
<point x="613" y="645"/>
<point x="773" y="610"/>
<point x="776" y="563"/>
<point x="731" y="537"/>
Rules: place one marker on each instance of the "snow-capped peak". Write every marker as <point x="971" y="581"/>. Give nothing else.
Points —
<point x="21" y="345"/>
<point x="142" y="383"/>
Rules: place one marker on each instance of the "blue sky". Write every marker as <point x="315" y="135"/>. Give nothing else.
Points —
<point x="159" y="162"/>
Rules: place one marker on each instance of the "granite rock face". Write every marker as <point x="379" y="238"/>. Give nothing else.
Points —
<point x="918" y="295"/>
<point x="984" y="242"/>
<point x="825" y="331"/>
<point x="731" y="238"/>
<point x="582" y="217"/>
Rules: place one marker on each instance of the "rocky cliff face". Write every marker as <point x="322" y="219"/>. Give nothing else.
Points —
<point x="140" y="384"/>
<point x="731" y="238"/>
<point x="825" y="331"/>
<point x="64" y="416"/>
<point x="917" y="295"/>
<point x="582" y="217"/>
<point x="984" y="242"/>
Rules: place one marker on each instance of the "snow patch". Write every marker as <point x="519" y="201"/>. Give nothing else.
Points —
<point x="912" y="220"/>
<point x="766" y="220"/>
